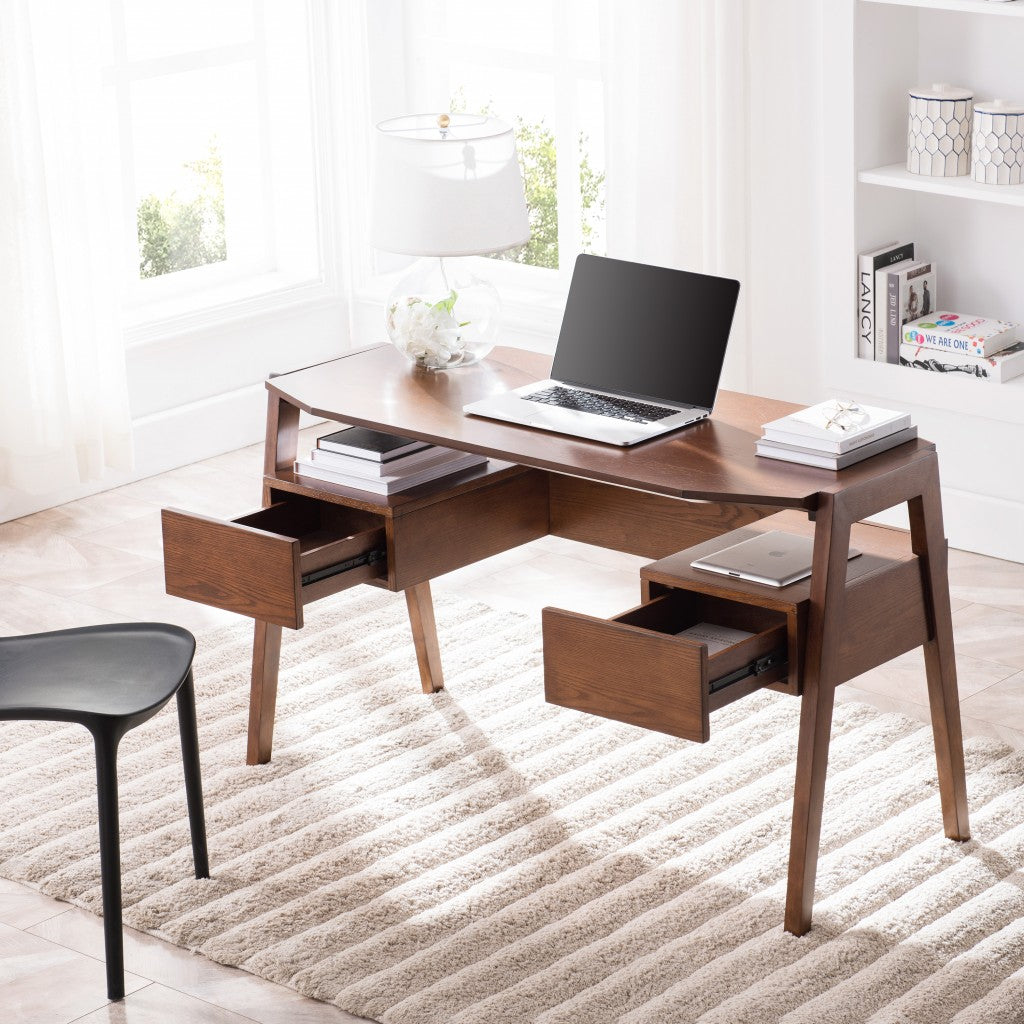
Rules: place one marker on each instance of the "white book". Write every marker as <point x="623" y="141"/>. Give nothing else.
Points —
<point x="868" y="265"/>
<point x="1004" y="365"/>
<point x="882" y="305"/>
<point x="371" y="470"/>
<point x="390" y="484"/>
<point x="836" y="426"/>
<point x="825" y="460"/>
<point x="960" y="332"/>
<point x="910" y="291"/>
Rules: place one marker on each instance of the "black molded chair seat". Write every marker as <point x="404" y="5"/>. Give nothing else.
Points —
<point x="110" y="679"/>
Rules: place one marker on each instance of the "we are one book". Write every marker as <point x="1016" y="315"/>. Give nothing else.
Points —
<point x="961" y="333"/>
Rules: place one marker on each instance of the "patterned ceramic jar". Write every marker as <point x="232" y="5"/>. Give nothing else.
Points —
<point x="999" y="143"/>
<point x="939" y="131"/>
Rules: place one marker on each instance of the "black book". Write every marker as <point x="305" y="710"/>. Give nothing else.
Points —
<point x="365" y="443"/>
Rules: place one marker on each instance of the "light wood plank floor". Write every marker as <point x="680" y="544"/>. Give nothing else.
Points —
<point x="99" y="560"/>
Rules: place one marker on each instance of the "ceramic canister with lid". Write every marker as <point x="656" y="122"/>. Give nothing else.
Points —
<point x="999" y="143"/>
<point x="939" y="131"/>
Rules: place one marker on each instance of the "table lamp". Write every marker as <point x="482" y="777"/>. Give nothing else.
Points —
<point x="444" y="186"/>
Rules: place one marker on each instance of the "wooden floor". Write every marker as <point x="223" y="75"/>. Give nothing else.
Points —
<point x="99" y="560"/>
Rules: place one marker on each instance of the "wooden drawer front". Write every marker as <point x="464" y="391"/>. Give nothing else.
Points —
<point x="269" y="563"/>
<point x="634" y="669"/>
<point x="457" y="531"/>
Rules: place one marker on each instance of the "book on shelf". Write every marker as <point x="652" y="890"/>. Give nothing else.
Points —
<point x="372" y="469"/>
<point x="365" y="443"/>
<point x="881" y="305"/>
<point x="835" y="426"/>
<point x="1003" y="366"/>
<point x="911" y="291"/>
<point x="824" y="460"/>
<point x="455" y="463"/>
<point x="960" y="332"/>
<point x="868" y="266"/>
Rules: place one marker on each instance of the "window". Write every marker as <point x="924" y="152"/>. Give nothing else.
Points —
<point x="217" y="152"/>
<point x="537" y="66"/>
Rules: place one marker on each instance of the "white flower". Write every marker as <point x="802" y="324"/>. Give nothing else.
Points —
<point x="427" y="333"/>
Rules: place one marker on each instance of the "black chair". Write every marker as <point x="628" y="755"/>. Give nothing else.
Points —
<point x="110" y="679"/>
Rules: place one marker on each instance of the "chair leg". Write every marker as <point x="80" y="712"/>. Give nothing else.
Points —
<point x="193" y="777"/>
<point x="110" y="860"/>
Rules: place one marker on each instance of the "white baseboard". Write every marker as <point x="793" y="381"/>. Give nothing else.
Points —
<point x="199" y="430"/>
<point x="974" y="522"/>
<point x="166" y="440"/>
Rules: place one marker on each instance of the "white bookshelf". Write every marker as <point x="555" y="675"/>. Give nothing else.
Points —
<point x="875" y="51"/>
<point x="963" y="187"/>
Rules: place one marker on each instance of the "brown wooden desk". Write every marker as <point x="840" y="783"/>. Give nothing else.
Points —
<point x="312" y="539"/>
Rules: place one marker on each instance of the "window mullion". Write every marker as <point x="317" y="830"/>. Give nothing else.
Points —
<point x="570" y="238"/>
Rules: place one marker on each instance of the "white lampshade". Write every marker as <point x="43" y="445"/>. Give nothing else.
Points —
<point x="454" y="191"/>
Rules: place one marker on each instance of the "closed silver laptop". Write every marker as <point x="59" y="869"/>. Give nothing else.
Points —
<point x="639" y="353"/>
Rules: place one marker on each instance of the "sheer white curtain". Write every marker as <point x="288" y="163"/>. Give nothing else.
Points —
<point x="64" y="414"/>
<point x="676" y="117"/>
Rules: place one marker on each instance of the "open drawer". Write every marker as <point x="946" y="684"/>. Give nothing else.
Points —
<point x="268" y="564"/>
<point x="635" y="669"/>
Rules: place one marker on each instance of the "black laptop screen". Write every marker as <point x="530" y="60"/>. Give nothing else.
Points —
<point x="646" y="331"/>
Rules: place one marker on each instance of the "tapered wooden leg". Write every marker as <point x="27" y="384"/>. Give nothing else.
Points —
<point x="929" y="544"/>
<point x="828" y="590"/>
<point x="424" y="635"/>
<point x="266" y="659"/>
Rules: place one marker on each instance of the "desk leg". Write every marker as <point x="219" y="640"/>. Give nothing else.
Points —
<point x="424" y="635"/>
<point x="266" y="659"/>
<point x="828" y="591"/>
<point x="929" y="544"/>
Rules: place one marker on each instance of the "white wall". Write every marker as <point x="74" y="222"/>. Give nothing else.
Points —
<point x="785" y="210"/>
<point x="184" y="395"/>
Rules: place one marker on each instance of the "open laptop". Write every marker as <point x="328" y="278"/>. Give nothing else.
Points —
<point x="774" y="558"/>
<point x="639" y="354"/>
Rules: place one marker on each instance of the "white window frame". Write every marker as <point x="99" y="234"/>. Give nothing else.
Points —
<point x="532" y="297"/>
<point x="159" y="310"/>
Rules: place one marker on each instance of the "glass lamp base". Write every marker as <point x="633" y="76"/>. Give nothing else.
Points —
<point x="441" y="315"/>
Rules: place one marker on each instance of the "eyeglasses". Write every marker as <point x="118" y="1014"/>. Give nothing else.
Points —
<point x="843" y="415"/>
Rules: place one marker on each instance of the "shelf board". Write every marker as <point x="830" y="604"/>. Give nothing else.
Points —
<point x="963" y="187"/>
<point x="905" y="385"/>
<point x="1012" y="10"/>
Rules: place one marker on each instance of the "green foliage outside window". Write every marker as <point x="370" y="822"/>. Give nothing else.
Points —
<point x="538" y="159"/>
<point x="179" y="232"/>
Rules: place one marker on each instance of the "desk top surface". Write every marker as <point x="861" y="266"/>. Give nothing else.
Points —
<point x="713" y="460"/>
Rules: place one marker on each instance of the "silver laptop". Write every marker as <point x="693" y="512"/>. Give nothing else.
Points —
<point x="774" y="558"/>
<point x="640" y="353"/>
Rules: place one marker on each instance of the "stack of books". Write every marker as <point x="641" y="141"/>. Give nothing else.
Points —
<point x="894" y="286"/>
<point x="370" y="460"/>
<point x="961" y="343"/>
<point x="835" y="434"/>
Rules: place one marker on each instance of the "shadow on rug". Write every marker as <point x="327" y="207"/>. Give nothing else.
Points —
<point x="481" y="856"/>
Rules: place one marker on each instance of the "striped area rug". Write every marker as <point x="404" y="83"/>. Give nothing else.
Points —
<point x="480" y="856"/>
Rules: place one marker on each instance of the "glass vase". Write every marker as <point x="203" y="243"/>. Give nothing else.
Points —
<point x="441" y="315"/>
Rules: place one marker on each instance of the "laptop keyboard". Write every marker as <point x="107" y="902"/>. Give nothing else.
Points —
<point x="601" y="405"/>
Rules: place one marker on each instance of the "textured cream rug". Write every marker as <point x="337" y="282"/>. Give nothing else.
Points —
<point x="481" y="856"/>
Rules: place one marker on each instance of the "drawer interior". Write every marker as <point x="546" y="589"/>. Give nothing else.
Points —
<point x="634" y="668"/>
<point x="765" y="652"/>
<point x="328" y="534"/>
<point x="270" y="563"/>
